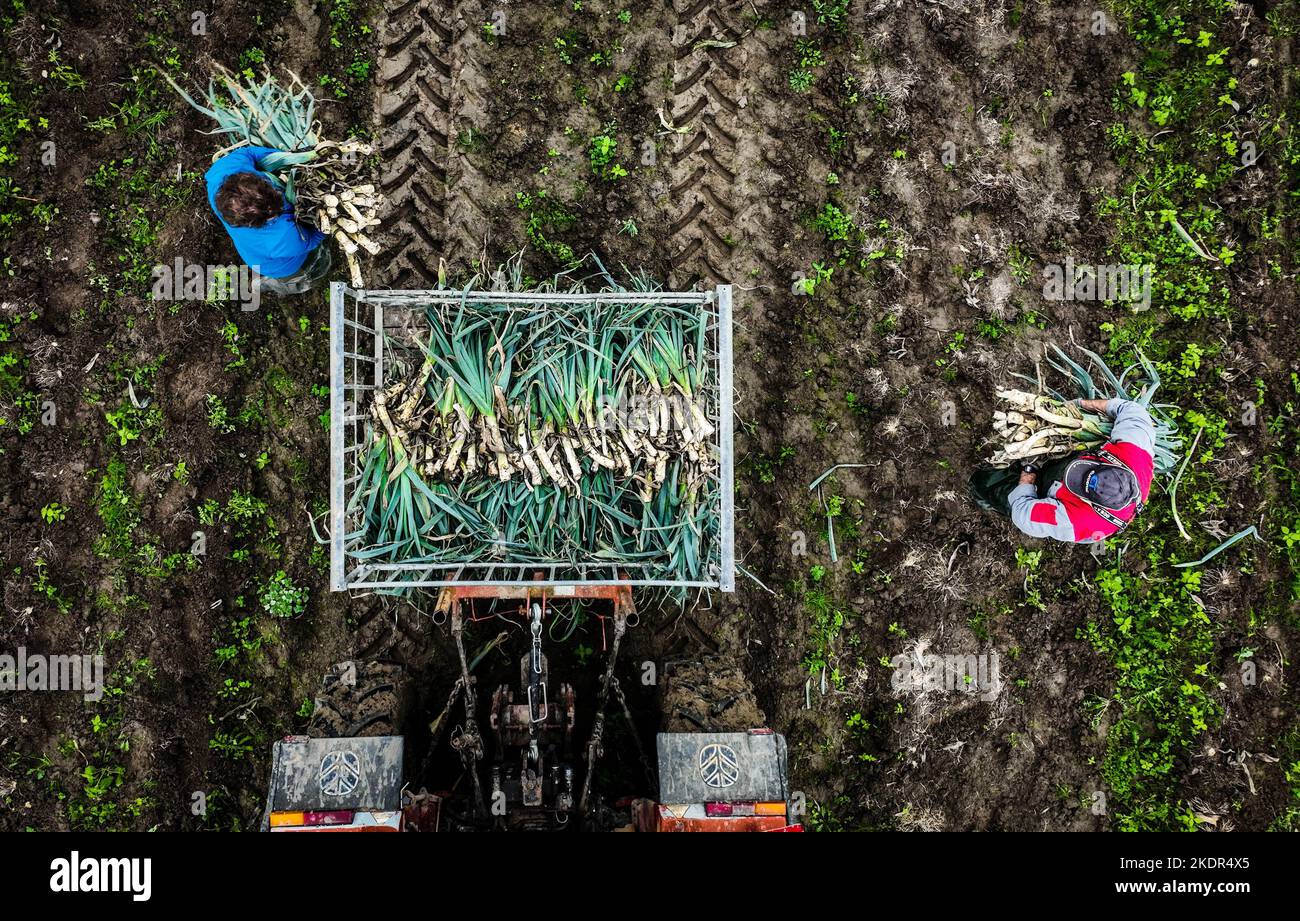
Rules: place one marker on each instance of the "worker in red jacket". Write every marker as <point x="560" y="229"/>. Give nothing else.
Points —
<point x="1093" y="495"/>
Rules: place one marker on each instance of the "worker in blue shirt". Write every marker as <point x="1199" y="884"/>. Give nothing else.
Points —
<point x="288" y="256"/>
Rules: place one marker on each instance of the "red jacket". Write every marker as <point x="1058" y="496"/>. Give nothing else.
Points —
<point x="1066" y="517"/>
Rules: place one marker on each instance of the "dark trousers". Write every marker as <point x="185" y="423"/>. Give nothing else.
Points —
<point x="317" y="266"/>
<point x="990" y="486"/>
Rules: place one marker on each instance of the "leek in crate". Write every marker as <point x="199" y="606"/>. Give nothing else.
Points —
<point x="576" y="432"/>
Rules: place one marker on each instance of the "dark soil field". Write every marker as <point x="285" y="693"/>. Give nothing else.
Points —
<point x="885" y="183"/>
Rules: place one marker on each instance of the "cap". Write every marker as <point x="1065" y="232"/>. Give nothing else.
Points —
<point x="1108" y="485"/>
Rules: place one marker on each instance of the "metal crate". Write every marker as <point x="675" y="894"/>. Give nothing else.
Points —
<point x="366" y="339"/>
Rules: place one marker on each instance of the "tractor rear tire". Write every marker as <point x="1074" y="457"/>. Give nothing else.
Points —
<point x="393" y="632"/>
<point x="361" y="699"/>
<point x="708" y="695"/>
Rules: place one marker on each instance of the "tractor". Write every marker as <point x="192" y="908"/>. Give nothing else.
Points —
<point x="513" y="761"/>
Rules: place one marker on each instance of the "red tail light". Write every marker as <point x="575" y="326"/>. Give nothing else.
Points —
<point x="327" y="818"/>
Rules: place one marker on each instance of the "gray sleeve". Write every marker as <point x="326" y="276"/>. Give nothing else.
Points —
<point x="1039" y="517"/>
<point x="1132" y="424"/>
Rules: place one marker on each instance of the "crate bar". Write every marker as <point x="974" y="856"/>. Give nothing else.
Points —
<point x="370" y="575"/>
<point x="337" y="580"/>
<point x="541" y="583"/>
<point x="420" y="298"/>
<point x="546" y="565"/>
<point x="727" y="484"/>
<point x="630" y="297"/>
<point x="379" y="346"/>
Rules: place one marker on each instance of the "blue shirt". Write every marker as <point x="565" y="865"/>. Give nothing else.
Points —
<point x="280" y="246"/>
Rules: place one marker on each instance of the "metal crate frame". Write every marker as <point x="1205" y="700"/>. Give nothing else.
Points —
<point x="358" y="352"/>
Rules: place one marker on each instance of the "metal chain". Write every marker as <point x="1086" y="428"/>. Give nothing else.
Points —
<point x="468" y="744"/>
<point x="650" y="772"/>
<point x="443" y="721"/>
<point x="594" y="747"/>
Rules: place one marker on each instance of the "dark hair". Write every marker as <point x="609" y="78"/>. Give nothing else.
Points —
<point x="248" y="200"/>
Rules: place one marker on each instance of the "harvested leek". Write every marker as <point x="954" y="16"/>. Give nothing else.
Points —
<point x="545" y="432"/>
<point x="1037" y="425"/>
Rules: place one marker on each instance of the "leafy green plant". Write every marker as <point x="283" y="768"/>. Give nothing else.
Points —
<point x="281" y="598"/>
<point x="1159" y="641"/>
<point x="219" y="415"/>
<point x="826" y="620"/>
<point x="602" y="150"/>
<point x="833" y="13"/>
<point x="547" y="217"/>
